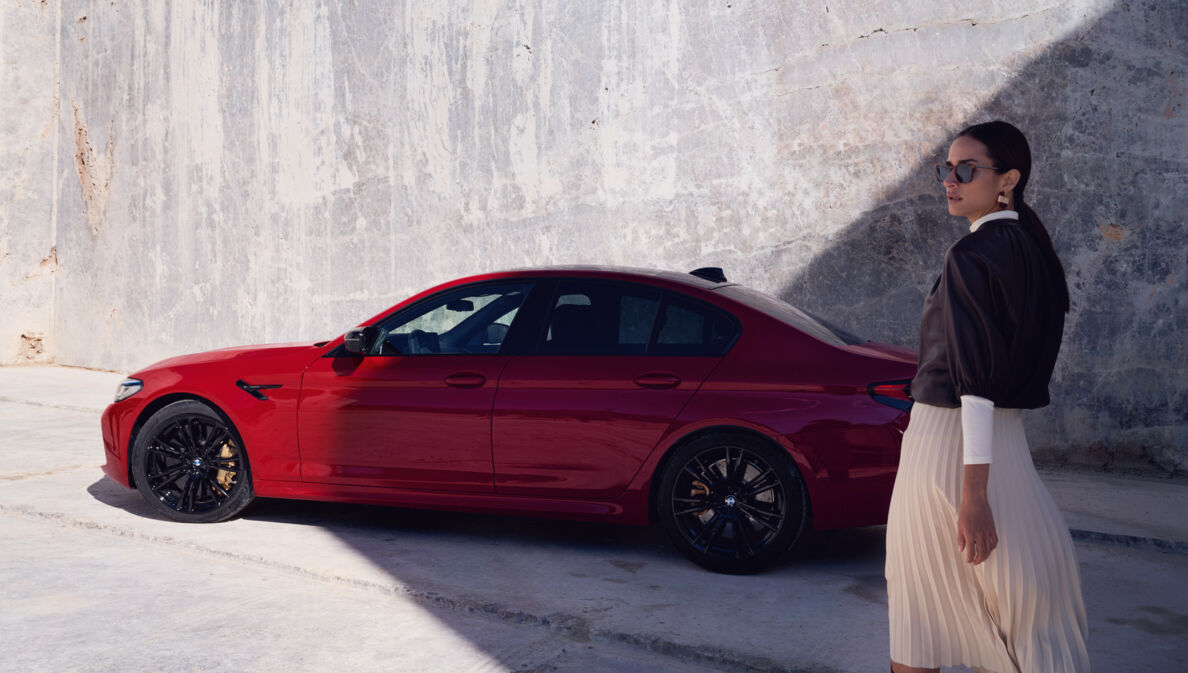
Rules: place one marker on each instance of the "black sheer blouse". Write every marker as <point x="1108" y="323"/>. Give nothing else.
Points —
<point x="992" y="324"/>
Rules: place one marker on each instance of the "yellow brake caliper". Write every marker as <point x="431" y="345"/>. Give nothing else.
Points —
<point x="699" y="489"/>
<point x="224" y="477"/>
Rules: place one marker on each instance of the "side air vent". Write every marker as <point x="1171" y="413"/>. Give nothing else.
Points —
<point x="711" y="273"/>
<point x="254" y="390"/>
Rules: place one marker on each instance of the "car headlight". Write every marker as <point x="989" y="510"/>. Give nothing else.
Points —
<point x="128" y="388"/>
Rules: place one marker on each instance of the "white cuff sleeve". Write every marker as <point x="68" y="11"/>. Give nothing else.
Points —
<point x="977" y="428"/>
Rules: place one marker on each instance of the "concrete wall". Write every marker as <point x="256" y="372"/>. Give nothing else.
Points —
<point x="235" y="172"/>
<point x="28" y="192"/>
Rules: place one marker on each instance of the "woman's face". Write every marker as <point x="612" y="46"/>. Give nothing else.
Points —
<point x="979" y="196"/>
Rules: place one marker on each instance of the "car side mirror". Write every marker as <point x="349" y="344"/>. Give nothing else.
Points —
<point x="358" y="341"/>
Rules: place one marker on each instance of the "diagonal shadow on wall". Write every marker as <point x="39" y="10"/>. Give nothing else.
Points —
<point x="1104" y="111"/>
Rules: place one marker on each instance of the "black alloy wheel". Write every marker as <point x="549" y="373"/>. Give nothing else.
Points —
<point x="190" y="465"/>
<point x="732" y="503"/>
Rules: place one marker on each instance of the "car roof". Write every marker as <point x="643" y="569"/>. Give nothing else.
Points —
<point x="746" y="297"/>
<point x="597" y="271"/>
<point x="672" y="279"/>
<point x="749" y="300"/>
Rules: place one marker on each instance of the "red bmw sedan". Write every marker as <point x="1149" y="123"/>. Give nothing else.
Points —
<point x="730" y="418"/>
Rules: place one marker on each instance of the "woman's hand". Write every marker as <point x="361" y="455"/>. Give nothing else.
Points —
<point x="976" y="535"/>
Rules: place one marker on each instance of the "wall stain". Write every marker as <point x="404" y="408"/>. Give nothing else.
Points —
<point x="50" y="260"/>
<point x="94" y="170"/>
<point x="1112" y="232"/>
<point x="1177" y="97"/>
<point x="49" y="264"/>
<point x="32" y="348"/>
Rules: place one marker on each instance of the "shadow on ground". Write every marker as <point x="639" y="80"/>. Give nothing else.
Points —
<point x="590" y="582"/>
<point x="855" y="544"/>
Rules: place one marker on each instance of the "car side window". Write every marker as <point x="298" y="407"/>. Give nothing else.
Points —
<point x="600" y="318"/>
<point x="692" y="328"/>
<point x="471" y="320"/>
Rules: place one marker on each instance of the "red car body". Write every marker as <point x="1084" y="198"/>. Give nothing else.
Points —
<point x="579" y="437"/>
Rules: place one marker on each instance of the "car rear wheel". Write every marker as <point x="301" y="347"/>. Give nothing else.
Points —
<point x="732" y="503"/>
<point x="190" y="465"/>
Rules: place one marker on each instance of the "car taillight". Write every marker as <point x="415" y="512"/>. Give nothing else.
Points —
<point x="892" y="393"/>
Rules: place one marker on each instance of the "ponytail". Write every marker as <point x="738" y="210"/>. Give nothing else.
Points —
<point x="1031" y="222"/>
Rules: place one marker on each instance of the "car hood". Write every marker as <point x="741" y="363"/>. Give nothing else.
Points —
<point x="299" y="353"/>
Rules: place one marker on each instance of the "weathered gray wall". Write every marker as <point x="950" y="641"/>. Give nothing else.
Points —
<point x="236" y="172"/>
<point x="28" y="149"/>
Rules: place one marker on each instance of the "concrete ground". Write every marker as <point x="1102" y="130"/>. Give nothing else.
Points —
<point x="92" y="580"/>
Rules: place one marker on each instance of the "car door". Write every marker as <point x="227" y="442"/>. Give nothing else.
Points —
<point x="415" y="411"/>
<point x="613" y="365"/>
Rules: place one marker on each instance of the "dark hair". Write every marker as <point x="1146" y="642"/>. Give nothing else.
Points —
<point x="1007" y="148"/>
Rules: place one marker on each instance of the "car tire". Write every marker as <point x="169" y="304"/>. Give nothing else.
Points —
<point x="190" y="465"/>
<point x="732" y="503"/>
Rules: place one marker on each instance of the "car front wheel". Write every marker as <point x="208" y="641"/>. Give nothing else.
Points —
<point x="732" y="503"/>
<point x="190" y="465"/>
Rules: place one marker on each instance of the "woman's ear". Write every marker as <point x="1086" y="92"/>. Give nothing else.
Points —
<point x="1010" y="179"/>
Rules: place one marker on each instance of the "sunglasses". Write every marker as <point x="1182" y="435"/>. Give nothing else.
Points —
<point x="963" y="172"/>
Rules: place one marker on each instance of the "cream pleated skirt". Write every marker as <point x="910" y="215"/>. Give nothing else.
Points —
<point x="1021" y="610"/>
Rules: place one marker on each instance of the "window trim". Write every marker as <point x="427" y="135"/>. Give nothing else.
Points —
<point x="537" y="306"/>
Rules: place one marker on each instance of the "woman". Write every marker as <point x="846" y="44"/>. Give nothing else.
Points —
<point x="980" y="565"/>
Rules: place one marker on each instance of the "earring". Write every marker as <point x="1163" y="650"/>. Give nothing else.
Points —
<point x="1003" y="199"/>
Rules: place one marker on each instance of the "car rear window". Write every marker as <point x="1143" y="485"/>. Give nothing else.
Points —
<point x="790" y="315"/>
<point x="689" y="327"/>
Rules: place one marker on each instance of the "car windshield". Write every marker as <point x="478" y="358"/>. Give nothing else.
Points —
<point x="789" y="314"/>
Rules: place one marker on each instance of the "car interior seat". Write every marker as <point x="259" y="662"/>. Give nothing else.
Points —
<point x="579" y="328"/>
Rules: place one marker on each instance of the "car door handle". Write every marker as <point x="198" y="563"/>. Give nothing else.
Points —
<point x="657" y="380"/>
<point x="465" y="380"/>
